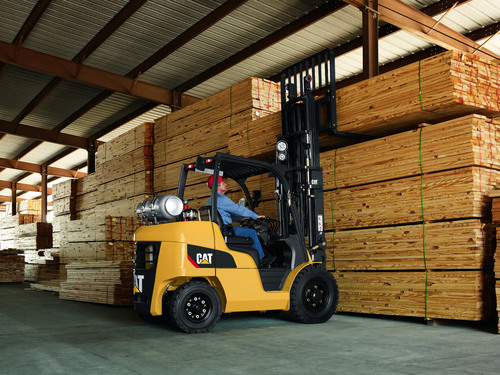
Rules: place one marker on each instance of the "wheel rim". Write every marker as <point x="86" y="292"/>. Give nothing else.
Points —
<point x="316" y="296"/>
<point x="198" y="308"/>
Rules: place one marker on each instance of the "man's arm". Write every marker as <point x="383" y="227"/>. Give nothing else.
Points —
<point x="226" y="204"/>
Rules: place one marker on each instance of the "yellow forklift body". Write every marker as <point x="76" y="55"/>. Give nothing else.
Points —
<point x="240" y="287"/>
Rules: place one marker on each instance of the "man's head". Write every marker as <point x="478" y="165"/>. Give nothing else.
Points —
<point x="210" y="181"/>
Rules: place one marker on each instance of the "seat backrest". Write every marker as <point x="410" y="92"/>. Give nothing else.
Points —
<point x="205" y="215"/>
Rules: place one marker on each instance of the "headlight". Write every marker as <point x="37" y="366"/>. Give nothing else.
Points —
<point x="281" y="146"/>
<point x="159" y="209"/>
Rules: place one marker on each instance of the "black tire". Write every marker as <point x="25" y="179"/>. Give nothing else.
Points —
<point x="195" y="307"/>
<point x="314" y="295"/>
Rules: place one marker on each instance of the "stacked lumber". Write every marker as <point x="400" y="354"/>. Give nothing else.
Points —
<point x="461" y="244"/>
<point x="448" y="85"/>
<point x="29" y="218"/>
<point x="103" y="282"/>
<point x="64" y="198"/>
<point x="495" y="218"/>
<point x="34" y="239"/>
<point x="96" y="238"/>
<point x="30" y="207"/>
<point x="11" y="266"/>
<point x="207" y="123"/>
<point x="35" y="236"/>
<point x="8" y="232"/>
<point x="437" y="295"/>
<point x="455" y="194"/>
<point x="409" y="220"/>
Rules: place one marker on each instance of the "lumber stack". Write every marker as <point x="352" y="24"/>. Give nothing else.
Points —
<point x="99" y="221"/>
<point x="103" y="282"/>
<point x="207" y="123"/>
<point x="409" y="220"/>
<point x="8" y="232"/>
<point x="495" y="218"/>
<point x="64" y="198"/>
<point x="445" y="86"/>
<point x="437" y="295"/>
<point x="11" y="266"/>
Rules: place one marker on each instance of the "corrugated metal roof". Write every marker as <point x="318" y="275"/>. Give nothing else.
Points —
<point x="66" y="26"/>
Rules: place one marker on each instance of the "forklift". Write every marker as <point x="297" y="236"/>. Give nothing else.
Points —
<point x="190" y="267"/>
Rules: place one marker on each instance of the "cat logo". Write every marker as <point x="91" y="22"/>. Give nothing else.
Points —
<point x="138" y="283"/>
<point x="204" y="258"/>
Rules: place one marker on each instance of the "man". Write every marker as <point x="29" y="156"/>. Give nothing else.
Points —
<point x="233" y="212"/>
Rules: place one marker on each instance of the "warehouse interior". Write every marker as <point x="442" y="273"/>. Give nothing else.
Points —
<point x="102" y="102"/>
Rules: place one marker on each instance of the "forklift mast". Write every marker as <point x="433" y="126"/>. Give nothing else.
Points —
<point x="298" y="148"/>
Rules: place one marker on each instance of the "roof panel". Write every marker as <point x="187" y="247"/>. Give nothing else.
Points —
<point x="17" y="88"/>
<point x="12" y="19"/>
<point x="67" y="26"/>
<point x="154" y="25"/>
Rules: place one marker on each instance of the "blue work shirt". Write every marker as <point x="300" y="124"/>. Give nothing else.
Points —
<point x="230" y="211"/>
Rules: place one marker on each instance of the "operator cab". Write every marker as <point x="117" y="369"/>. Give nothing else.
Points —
<point x="282" y="241"/>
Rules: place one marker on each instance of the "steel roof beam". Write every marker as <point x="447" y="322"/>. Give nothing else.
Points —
<point x="410" y="19"/>
<point x="123" y="15"/>
<point x="70" y="70"/>
<point x="28" y="25"/>
<point x="37" y="168"/>
<point x="24" y="187"/>
<point x="44" y="134"/>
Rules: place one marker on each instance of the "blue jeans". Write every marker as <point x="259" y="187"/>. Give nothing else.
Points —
<point x="248" y="232"/>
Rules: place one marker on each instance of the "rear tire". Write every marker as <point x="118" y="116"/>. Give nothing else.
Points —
<point x="195" y="307"/>
<point x="314" y="295"/>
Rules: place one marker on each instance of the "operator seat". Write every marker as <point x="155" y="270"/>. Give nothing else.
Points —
<point x="243" y="244"/>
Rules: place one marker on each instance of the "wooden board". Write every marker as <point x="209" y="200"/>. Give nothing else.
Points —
<point x="11" y="266"/>
<point x="102" y="282"/>
<point x="463" y="295"/>
<point x="135" y="161"/>
<point x="125" y="187"/>
<point x="449" y="85"/>
<point x="138" y="137"/>
<point x="472" y="140"/>
<point x="251" y="93"/>
<point x="461" y="244"/>
<point x="456" y="194"/>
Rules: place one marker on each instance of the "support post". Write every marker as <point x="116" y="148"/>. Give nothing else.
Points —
<point x="13" y="189"/>
<point x="44" y="193"/>
<point x="370" y="39"/>
<point x="91" y="150"/>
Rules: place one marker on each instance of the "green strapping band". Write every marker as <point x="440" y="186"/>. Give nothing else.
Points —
<point x="420" y="85"/>
<point x="333" y="233"/>
<point x="423" y="219"/>
<point x="331" y="205"/>
<point x="335" y="168"/>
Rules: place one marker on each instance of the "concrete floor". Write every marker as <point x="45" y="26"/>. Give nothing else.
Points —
<point x="40" y="334"/>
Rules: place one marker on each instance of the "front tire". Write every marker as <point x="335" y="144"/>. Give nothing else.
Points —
<point x="314" y="295"/>
<point x="195" y="307"/>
